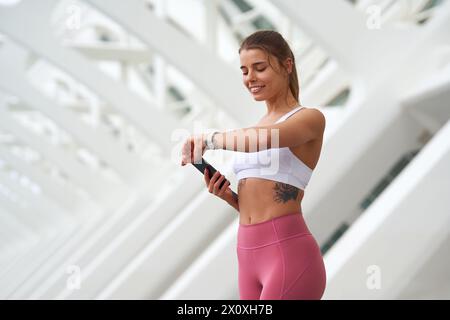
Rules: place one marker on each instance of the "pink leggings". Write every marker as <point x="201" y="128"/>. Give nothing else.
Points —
<point x="279" y="259"/>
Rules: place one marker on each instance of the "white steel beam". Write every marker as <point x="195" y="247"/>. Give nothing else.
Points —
<point x="206" y="70"/>
<point x="65" y="196"/>
<point x="36" y="257"/>
<point x="39" y="206"/>
<point x="21" y="230"/>
<point x="112" y="52"/>
<point x="35" y="33"/>
<point x="13" y="62"/>
<point x="25" y="216"/>
<point x="356" y="47"/>
<point x="97" y="187"/>
<point x="383" y="250"/>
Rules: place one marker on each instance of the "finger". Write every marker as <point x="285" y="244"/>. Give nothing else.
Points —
<point x="185" y="152"/>
<point x="213" y="181"/>
<point x="215" y="177"/>
<point x="224" y="188"/>
<point x="190" y="158"/>
<point x="217" y="184"/>
<point x="207" y="179"/>
<point x="198" y="144"/>
<point x="221" y="184"/>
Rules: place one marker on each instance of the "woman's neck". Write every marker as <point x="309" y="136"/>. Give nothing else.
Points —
<point x="281" y="105"/>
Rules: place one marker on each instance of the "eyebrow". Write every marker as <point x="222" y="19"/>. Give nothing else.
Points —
<point x="254" y="64"/>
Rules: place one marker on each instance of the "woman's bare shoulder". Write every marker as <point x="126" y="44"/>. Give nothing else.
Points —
<point x="317" y="116"/>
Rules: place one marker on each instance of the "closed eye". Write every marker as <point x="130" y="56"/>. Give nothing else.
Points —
<point x="256" y="70"/>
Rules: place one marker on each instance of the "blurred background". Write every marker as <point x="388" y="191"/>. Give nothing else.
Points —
<point x="95" y="94"/>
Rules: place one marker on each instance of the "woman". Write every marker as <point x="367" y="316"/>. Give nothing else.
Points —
<point x="277" y="254"/>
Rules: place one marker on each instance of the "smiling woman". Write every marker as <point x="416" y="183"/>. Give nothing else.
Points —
<point x="278" y="256"/>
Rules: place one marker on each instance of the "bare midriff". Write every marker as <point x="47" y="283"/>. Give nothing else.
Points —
<point x="261" y="200"/>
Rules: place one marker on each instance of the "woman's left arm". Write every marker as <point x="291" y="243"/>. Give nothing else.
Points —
<point x="298" y="129"/>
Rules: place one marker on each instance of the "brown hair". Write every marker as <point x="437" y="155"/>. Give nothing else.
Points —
<point x="273" y="43"/>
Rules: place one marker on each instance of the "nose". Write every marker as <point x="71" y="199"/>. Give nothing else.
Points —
<point x="251" y="76"/>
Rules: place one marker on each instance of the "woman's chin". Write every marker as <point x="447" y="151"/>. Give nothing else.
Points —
<point x="258" y="98"/>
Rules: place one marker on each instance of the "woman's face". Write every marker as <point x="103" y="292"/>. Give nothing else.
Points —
<point x="263" y="82"/>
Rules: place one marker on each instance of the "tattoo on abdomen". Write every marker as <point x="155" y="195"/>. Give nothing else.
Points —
<point x="285" y="192"/>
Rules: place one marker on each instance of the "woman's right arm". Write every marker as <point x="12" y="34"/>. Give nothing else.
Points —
<point x="234" y="201"/>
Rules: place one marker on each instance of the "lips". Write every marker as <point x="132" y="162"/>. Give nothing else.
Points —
<point x="256" y="89"/>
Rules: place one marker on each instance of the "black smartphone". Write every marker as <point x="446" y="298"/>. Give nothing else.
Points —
<point x="211" y="170"/>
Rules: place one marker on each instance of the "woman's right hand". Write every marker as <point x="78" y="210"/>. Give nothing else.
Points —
<point x="213" y="183"/>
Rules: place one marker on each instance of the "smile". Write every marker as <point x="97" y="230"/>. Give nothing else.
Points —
<point x="256" y="89"/>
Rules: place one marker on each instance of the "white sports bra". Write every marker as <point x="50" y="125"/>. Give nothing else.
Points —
<point x="277" y="164"/>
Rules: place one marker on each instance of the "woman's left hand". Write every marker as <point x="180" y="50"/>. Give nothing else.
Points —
<point x="193" y="149"/>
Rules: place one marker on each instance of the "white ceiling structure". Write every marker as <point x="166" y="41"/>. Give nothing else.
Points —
<point x="96" y="96"/>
